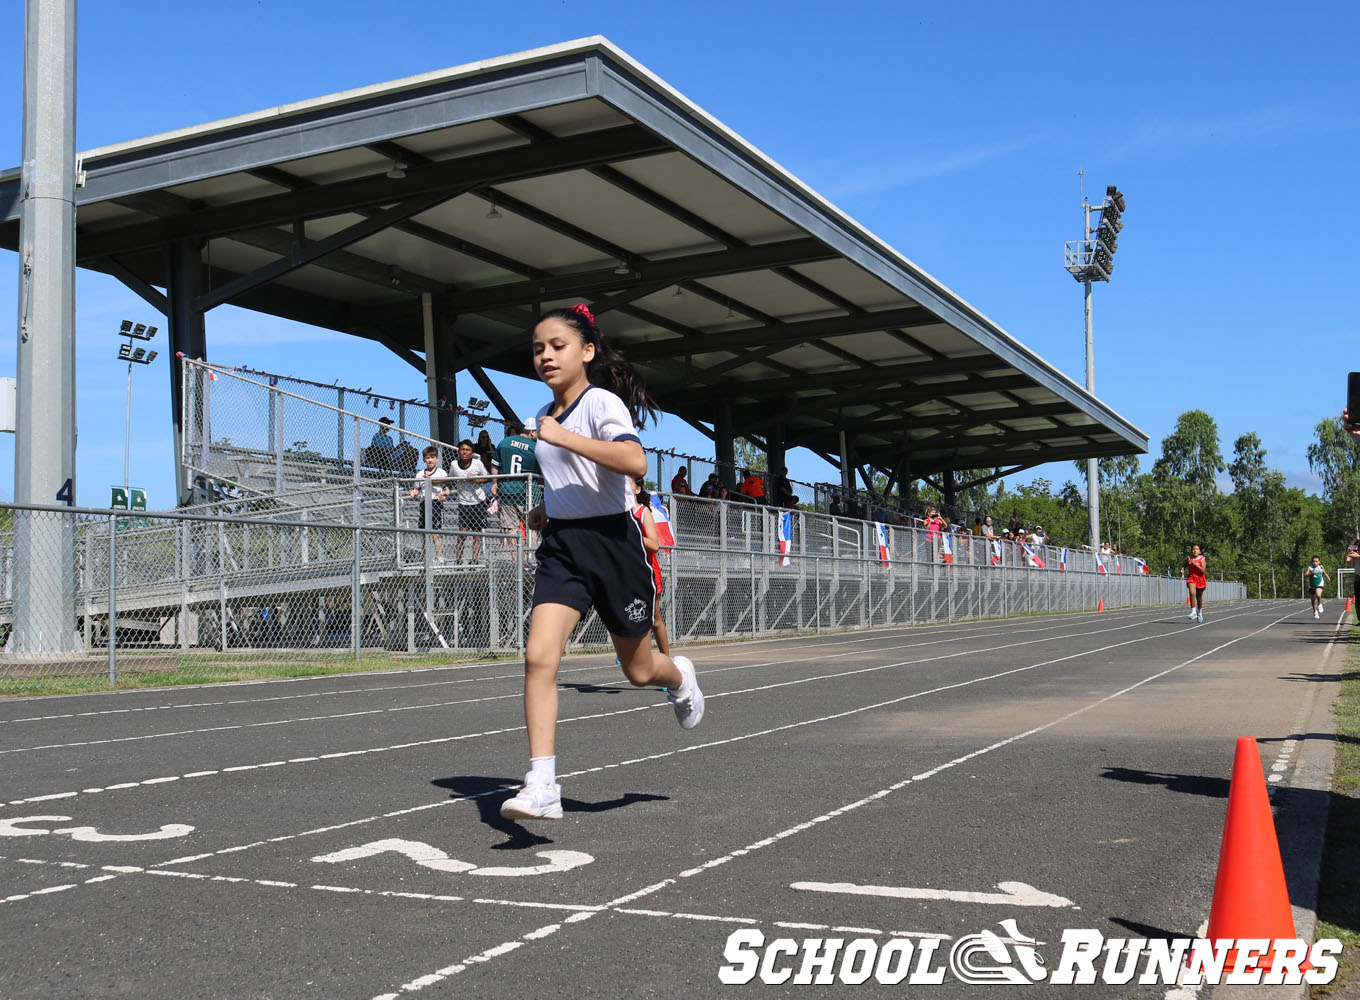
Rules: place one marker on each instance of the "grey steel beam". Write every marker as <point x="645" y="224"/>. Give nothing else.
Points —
<point x="587" y="284"/>
<point x="785" y="334"/>
<point x="903" y="396"/>
<point x="303" y="253"/>
<point x="277" y="241"/>
<point x="506" y="410"/>
<point x="623" y="182"/>
<point x="135" y="283"/>
<point x="763" y="388"/>
<point x="1039" y="456"/>
<point x="420" y="230"/>
<point x="377" y="189"/>
<point x="270" y="138"/>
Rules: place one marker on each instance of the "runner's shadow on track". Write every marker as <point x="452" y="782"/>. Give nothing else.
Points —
<point x="483" y="793"/>
<point x="596" y="688"/>
<point x="1189" y="784"/>
<point x="1329" y="737"/>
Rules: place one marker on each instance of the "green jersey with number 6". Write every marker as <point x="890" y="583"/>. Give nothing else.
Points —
<point x="514" y="456"/>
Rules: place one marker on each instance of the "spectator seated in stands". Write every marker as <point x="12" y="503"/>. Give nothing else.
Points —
<point x="680" y="483"/>
<point x="405" y="459"/>
<point x="1015" y="528"/>
<point x="753" y="487"/>
<point x="710" y="488"/>
<point x="381" y="448"/>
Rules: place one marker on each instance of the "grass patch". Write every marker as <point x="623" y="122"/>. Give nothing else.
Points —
<point x="1339" y="891"/>
<point x="155" y="670"/>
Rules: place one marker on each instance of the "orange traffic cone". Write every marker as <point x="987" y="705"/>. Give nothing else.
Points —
<point x="1100" y="604"/>
<point x="1348" y="604"/>
<point x="1251" y="899"/>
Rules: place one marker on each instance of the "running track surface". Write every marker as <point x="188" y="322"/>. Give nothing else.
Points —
<point x="340" y="837"/>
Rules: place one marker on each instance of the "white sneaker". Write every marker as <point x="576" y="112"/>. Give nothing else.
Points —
<point x="1322" y="608"/>
<point x="1193" y="614"/>
<point x="1317" y="614"/>
<point x="1200" y="618"/>
<point x="536" y="800"/>
<point x="689" y="710"/>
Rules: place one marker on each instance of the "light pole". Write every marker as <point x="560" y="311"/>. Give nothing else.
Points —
<point x="1091" y="259"/>
<point x="133" y="356"/>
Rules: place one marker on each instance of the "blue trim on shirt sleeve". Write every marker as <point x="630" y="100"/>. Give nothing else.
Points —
<point x="629" y="437"/>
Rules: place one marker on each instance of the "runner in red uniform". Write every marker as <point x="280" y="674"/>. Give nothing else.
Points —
<point x="642" y="510"/>
<point x="1195" y="582"/>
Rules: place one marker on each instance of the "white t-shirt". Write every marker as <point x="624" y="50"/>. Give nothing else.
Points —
<point x="575" y="486"/>
<point x="468" y="492"/>
<point x="425" y="476"/>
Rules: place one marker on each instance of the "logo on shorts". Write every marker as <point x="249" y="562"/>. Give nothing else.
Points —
<point x="637" y="611"/>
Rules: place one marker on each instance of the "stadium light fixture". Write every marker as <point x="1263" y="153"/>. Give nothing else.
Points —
<point x="1089" y="260"/>
<point x="133" y="356"/>
<point x="397" y="171"/>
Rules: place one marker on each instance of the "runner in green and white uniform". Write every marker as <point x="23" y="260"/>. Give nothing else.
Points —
<point x="1314" y="575"/>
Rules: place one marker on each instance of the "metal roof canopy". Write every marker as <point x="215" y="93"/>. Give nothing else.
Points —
<point x="568" y="174"/>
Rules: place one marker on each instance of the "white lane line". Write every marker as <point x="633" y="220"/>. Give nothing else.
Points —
<point x="416" y="985"/>
<point x="437" y="741"/>
<point x="965" y="628"/>
<point x="1283" y="760"/>
<point x="444" y="803"/>
<point x="206" y="730"/>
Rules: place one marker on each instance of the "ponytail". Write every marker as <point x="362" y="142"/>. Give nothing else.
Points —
<point x="609" y="369"/>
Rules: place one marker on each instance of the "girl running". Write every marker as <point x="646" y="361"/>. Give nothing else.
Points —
<point x="1316" y="573"/>
<point x="1196" y="581"/>
<point x="592" y="551"/>
<point x="642" y="510"/>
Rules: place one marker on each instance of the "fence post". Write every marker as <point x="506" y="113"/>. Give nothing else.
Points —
<point x="222" y="584"/>
<point x="356" y="617"/>
<point x="113" y="602"/>
<point x="522" y="571"/>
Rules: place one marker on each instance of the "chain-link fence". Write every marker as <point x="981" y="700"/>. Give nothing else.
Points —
<point x="379" y="579"/>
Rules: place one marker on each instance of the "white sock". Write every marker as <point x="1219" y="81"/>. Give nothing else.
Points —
<point x="683" y="690"/>
<point x="544" y="768"/>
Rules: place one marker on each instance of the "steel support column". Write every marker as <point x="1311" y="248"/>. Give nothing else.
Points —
<point x="188" y="336"/>
<point x="45" y="445"/>
<point x="725" y="449"/>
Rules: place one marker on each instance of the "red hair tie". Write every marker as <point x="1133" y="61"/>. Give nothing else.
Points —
<point x="581" y="308"/>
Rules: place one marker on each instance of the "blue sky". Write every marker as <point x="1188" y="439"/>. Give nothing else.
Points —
<point x="953" y="132"/>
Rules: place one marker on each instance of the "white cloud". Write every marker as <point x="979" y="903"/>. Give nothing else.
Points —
<point x="922" y="167"/>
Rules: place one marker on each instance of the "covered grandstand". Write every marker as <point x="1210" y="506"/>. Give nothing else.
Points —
<point x="438" y="214"/>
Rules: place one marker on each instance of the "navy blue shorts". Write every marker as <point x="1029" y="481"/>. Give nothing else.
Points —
<point x="436" y="513"/>
<point x="598" y="562"/>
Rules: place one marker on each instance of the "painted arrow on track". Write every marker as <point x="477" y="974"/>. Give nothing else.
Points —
<point x="1011" y="894"/>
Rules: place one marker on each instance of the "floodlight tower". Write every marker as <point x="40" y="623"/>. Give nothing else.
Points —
<point x="133" y="356"/>
<point x="1089" y="260"/>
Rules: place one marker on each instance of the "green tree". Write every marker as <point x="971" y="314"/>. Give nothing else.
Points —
<point x="1258" y="493"/>
<point x="1335" y="458"/>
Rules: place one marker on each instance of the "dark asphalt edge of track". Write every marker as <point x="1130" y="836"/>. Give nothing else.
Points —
<point x="1301" y="824"/>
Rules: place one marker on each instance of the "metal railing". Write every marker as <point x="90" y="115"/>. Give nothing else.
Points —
<point x="172" y="597"/>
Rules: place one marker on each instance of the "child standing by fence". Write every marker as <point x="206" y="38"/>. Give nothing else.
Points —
<point x="592" y="553"/>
